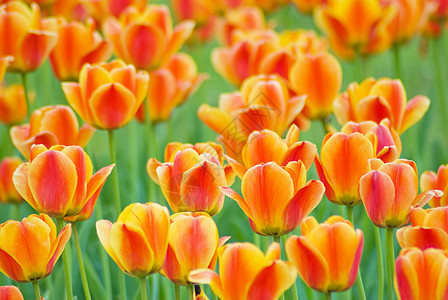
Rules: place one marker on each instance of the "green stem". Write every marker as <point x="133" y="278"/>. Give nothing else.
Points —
<point x="324" y="125"/>
<point x="390" y="260"/>
<point x="257" y="241"/>
<point x="151" y="150"/>
<point x="36" y="290"/>
<point x="190" y="292"/>
<point x="15" y="211"/>
<point x="277" y="239"/>
<point x="82" y="270"/>
<point x="67" y="271"/>
<point x="437" y="57"/>
<point x="103" y="255"/>
<point x="177" y="291"/>
<point x="327" y="296"/>
<point x="122" y="280"/>
<point x="295" y="294"/>
<point x="25" y="90"/>
<point x="380" y="262"/>
<point x="350" y="216"/>
<point x="169" y="129"/>
<point x="143" y="288"/>
<point x="113" y="159"/>
<point x="397" y="61"/>
<point x="133" y="159"/>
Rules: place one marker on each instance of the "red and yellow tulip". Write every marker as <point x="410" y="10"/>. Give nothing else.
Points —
<point x="13" y="107"/>
<point x="8" y="193"/>
<point x="10" y="292"/>
<point x="432" y="181"/>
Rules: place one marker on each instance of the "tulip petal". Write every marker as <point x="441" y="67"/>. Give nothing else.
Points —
<point x="262" y="147"/>
<point x="415" y="110"/>
<point x="423" y="238"/>
<point x="406" y="279"/>
<point x="303" y="151"/>
<point x="207" y="276"/>
<point x="374" y="108"/>
<point x="35" y="48"/>
<point x="20" y="179"/>
<point x="103" y="229"/>
<point x="59" y="246"/>
<point x="180" y="34"/>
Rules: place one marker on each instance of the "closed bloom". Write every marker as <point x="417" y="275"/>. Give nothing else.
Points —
<point x="374" y="100"/>
<point x="421" y="275"/>
<point x="10" y="292"/>
<point x="246" y="273"/>
<point x="50" y="126"/>
<point x="59" y="181"/>
<point x="146" y="38"/>
<point x="327" y="255"/>
<point x="389" y="192"/>
<point x="23" y="263"/>
<point x="26" y="36"/>
<point x="193" y="241"/>
<point x="4" y="63"/>
<point x="108" y="95"/>
<point x="138" y="241"/>
<point x="8" y="193"/>
<point x="276" y="199"/>
<point x="432" y="181"/>
<point x="100" y="10"/>
<point x="13" y="107"/>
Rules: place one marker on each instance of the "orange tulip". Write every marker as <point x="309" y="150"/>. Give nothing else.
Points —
<point x="8" y="193"/>
<point x="263" y="103"/>
<point x="265" y="145"/>
<point x="307" y="6"/>
<point x="389" y="192"/>
<point x="327" y="255"/>
<point x="138" y="241"/>
<point x="246" y="273"/>
<point x="58" y="181"/>
<point x="432" y="181"/>
<point x="4" y="63"/>
<point x="13" y="107"/>
<point x="421" y="275"/>
<point x="70" y="10"/>
<point x="276" y="199"/>
<point x="108" y="95"/>
<point x="192" y="244"/>
<point x="100" y="10"/>
<point x="25" y="36"/>
<point x="10" y="292"/>
<point x="51" y="125"/>
<point x="19" y="259"/>
<point x="375" y="100"/>
<point x="78" y="44"/>
<point x="146" y="38"/>
<point x="343" y="160"/>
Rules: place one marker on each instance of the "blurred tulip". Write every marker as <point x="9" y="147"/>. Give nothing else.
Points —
<point x="25" y="36"/>
<point x="108" y="95"/>
<point x="100" y="10"/>
<point x="192" y="244"/>
<point x="246" y="273"/>
<point x="389" y="192"/>
<point x="138" y="241"/>
<point x="421" y="275"/>
<point x="327" y="255"/>
<point x="58" y="181"/>
<point x="196" y="10"/>
<point x="276" y="199"/>
<point x="146" y="38"/>
<point x="265" y="145"/>
<point x="343" y="160"/>
<point x="10" y="292"/>
<point x="432" y="181"/>
<point x="266" y="5"/>
<point x="70" y="10"/>
<point x="438" y="16"/>
<point x="8" y="193"/>
<point x="50" y="126"/>
<point x="22" y="263"/>
<point x="13" y="107"/>
<point x="78" y="44"/>
<point x="4" y="63"/>
<point x="308" y="6"/>
<point x="375" y="100"/>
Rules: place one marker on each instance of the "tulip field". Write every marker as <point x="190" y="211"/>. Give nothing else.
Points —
<point x="227" y="149"/>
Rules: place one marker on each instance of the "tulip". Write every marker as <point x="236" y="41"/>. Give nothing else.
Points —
<point x="246" y="273"/>
<point x="432" y="181"/>
<point x="108" y="95"/>
<point x="193" y="241"/>
<point x="58" y="181"/>
<point x="308" y="6"/>
<point x="100" y="10"/>
<point x="375" y="100"/>
<point x="138" y="241"/>
<point x="4" y="63"/>
<point x="50" y="126"/>
<point x="13" y="105"/>
<point x="327" y="255"/>
<point x="25" y="36"/>
<point x="10" y="292"/>
<point x="8" y="193"/>
<point x="276" y="199"/>
<point x="437" y="19"/>
<point x="70" y="9"/>
<point x="197" y="10"/>
<point x="23" y="264"/>
<point x="421" y="274"/>
<point x="146" y="38"/>
<point x="78" y="44"/>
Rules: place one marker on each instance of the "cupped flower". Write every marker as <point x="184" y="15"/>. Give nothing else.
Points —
<point x="8" y="193"/>
<point x="432" y="181"/>
<point x="138" y="241"/>
<point x="193" y="241"/>
<point x="51" y="125"/>
<point x="10" y="292"/>
<point x="245" y="272"/>
<point x="100" y="10"/>
<point x="375" y="100"/>
<point x="26" y="36"/>
<point x="23" y="263"/>
<point x="276" y="199"/>
<point x="108" y="95"/>
<point x="327" y="255"/>
<point x="13" y="106"/>
<point x="389" y="192"/>
<point x="421" y="274"/>
<point x="59" y="181"/>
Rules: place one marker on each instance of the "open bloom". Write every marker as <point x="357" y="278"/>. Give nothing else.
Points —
<point x="23" y="263"/>
<point x="100" y="10"/>
<point x="13" y="106"/>
<point x="327" y="255"/>
<point x="59" y="181"/>
<point x="108" y="95"/>
<point x="10" y="292"/>
<point x="138" y="241"/>
<point x="389" y="192"/>
<point x="246" y="273"/>
<point x="421" y="274"/>
<point x="276" y="199"/>
<point x="26" y="36"/>
<point x="8" y="193"/>
<point x="146" y="38"/>
<point x="375" y="100"/>
<point x="193" y="241"/>
<point x="432" y="181"/>
<point x="50" y="126"/>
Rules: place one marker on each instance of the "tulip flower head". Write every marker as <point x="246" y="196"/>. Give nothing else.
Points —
<point x="13" y="106"/>
<point x="432" y="181"/>
<point x="10" y="292"/>
<point x="8" y="193"/>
